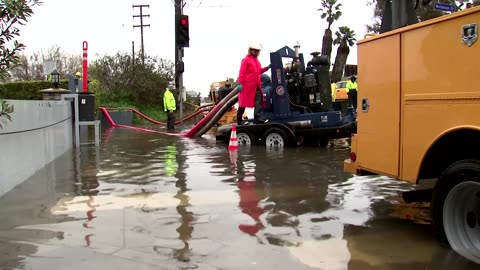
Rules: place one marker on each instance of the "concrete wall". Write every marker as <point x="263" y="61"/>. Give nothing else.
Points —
<point x="40" y="132"/>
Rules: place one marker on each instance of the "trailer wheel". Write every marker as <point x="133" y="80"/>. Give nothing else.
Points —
<point x="246" y="138"/>
<point x="275" y="137"/>
<point x="456" y="208"/>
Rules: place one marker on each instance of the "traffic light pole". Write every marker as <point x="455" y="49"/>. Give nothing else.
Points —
<point x="180" y="84"/>
<point x="178" y="59"/>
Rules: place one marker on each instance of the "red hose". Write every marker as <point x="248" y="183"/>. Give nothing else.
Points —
<point x="107" y="115"/>
<point x="113" y="124"/>
<point x="152" y="131"/>
<point x="192" y="115"/>
<point x="162" y="123"/>
<point x="191" y="133"/>
<point x="202" y="122"/>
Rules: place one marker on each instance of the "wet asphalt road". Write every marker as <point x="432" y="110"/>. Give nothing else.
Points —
<point x="144" y="201"/>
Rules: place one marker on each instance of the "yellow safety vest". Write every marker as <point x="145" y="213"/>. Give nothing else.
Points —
<point x="352" y="86"/>
<point x="169" y="101"/>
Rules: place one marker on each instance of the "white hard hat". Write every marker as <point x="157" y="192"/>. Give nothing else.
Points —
<point x="255" y="46"/>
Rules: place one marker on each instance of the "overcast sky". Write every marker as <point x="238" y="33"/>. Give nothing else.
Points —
<point x="220" y="30"/>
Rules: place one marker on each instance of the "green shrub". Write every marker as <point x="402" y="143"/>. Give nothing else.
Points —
<point x="29" y="90"/>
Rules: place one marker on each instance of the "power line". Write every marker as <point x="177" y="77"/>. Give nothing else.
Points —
<point x="207" y="5"/>
<point x="141" y="16"/>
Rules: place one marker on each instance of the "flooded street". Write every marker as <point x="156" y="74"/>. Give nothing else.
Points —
<point x="147" y="201"/>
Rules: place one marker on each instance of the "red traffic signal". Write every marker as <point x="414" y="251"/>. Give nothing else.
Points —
<point x="182" y="38"/>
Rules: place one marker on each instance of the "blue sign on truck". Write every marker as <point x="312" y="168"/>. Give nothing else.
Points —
<point x="444" y="7"/>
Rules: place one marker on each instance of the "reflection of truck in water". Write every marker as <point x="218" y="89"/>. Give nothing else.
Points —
<point x="419" y="119"/>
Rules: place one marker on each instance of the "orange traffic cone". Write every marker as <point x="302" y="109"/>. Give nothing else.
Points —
<point x="233" y="139"/>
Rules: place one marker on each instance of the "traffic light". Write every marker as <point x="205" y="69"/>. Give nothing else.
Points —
<point x="182" y="36"/>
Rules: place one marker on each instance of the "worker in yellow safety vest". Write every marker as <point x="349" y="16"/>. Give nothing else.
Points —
<point x="352" y="88"/>
<point x="169" y="106"/>
<point x="334" y="90"/>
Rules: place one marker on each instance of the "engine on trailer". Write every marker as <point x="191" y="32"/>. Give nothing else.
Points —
<point x="304" y="84"/>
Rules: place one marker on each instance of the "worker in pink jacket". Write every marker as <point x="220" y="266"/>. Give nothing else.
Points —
<point x="250" y="85"/>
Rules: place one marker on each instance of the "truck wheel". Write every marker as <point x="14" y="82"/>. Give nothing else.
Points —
<point x="456" y="208"/>
<point x="245" y="138"/>
<point x="275" y="137"/>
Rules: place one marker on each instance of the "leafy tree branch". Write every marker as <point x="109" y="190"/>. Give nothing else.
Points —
<point x="12" y="14"/>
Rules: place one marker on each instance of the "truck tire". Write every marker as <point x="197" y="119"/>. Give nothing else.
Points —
<point x="246" y="138"/>
<point x="455" y="208"/>
<point x="275" y="137"/>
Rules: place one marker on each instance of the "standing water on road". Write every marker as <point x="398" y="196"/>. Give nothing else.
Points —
<point x="146" y="201"/>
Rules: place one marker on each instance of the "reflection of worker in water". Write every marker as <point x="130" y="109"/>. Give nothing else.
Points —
<point x="249" y="84"/>
<point x="171" y="165"/>
<point x="169" y="106"/>
<point x="249" y="204"/>
<point x="352" y="87"/>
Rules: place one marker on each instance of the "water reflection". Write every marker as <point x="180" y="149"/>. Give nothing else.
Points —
<point x="249" y="205"/>
<point x="146" y="201"/>
<point x="174" y="160"/>
<point x="87" y="162"/>
<point x="274" y="195"/>
<point x="29" y="204"/>
<point x="248" y="198"/>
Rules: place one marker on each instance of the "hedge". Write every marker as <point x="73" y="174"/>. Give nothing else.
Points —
<point x="29" y="90"/>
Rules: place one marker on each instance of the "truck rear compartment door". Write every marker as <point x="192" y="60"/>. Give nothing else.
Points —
<point x="379" y="88"/>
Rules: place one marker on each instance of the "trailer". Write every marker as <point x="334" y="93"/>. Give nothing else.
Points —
<point x="298" y="108"/>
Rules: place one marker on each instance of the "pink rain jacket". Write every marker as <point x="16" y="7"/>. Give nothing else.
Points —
<point x="249" y="78"/>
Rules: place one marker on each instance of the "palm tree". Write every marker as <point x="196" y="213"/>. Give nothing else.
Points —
<point x="345" y="38"/>
<point x="331" y="11"/>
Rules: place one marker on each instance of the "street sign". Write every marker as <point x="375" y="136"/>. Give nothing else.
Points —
<point x="444" y="7"/>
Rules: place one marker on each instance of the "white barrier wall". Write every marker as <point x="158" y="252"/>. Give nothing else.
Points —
<point x="40" y="132"/>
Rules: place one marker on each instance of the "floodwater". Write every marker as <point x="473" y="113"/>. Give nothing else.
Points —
<point x="147" y="201"/>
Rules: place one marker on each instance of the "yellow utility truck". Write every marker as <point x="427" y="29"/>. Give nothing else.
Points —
<point x="419" y="117"/>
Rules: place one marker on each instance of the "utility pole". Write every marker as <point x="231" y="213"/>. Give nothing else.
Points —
<point x="179" y="58"/>
<point x="133" y="53"/>
<point x="141" y="27"/>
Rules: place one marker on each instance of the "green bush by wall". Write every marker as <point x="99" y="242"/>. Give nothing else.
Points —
<point x="29" y="90"/>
